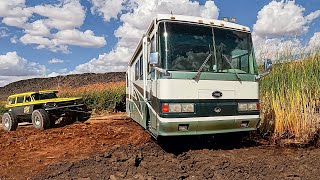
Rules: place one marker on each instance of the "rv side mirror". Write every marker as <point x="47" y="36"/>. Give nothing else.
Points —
<point x="267" y="65"/>
<point x="154" y="58"/>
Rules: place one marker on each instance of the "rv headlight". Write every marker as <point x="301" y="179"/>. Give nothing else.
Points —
<point x="177" y="107"/>
<point x="187" y="107"/>
<point x="174" y="107"/>
<point x="253" y="106"/>
<point x="242" y="107"/>
<point x="249" y="106"/>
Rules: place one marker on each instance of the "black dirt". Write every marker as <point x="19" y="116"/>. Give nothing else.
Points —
<point x="176" y="161"/>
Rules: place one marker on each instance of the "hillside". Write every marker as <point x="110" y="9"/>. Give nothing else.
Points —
<point x="72" y="81"/>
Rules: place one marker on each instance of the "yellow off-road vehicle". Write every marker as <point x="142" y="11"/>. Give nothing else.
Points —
<point x="43" y="109"/>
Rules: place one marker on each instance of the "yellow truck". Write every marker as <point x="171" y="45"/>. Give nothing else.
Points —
<point x="43" y="109"/>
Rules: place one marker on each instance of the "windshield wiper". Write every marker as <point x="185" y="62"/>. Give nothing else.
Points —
<point x="197" y="76"/>
<point x="237" y="74"/>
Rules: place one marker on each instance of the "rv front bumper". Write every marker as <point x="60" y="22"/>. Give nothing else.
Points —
<point x="207" y="125"/>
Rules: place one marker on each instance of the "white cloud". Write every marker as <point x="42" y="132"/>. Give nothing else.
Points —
<point x="282" y="19"/>
<point x="14" y="39"/>
<point x="279" y="49"/>
<point x="277" y="30"/>
<point x="65" y="18"/>
<point x="14" y="13"/>
<point x="60" y="72"/>
<point x="67" y="15"/>
<point x="314" y="43"/>
<point x="37" y="28"/>
<point x="107" y="8"/>
<point x="14" y="67"/>
<point x="76" y="37"/>
<point x="134" y="23"/>
<point x="4" y="80"/>
<point x="54" y="74"/>
<point x="43" y="42"/>
<point x="63" y="38"/>
<point x="55" y="61"/>
<point x="4" y="32"/>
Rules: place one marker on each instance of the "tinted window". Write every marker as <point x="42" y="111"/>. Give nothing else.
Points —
<point x="20" y="99"/>
<point x="185" y="47"/>
<point x="48" y="96"/>
<point x="28" y="99"/>
<point x="141" y="67"/>
<point x="11" y="101"/>
<point x="137" y="70"/>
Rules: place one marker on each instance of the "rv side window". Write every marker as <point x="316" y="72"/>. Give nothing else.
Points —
<point x="153" y="45"/>
<point x="141" y="67"/>
<point x="137" y="70"/>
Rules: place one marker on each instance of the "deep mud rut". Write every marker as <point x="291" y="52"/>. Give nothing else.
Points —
<point x="151" y="161"/>
<point x="120" y="149"/>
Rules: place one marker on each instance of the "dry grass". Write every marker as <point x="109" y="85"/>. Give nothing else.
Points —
<point x="290" y="100"/>
<point x="99" y="97"/>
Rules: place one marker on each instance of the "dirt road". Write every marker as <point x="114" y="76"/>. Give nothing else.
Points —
<point x="120" y="149"/>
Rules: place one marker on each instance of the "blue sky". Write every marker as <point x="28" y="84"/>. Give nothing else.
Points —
<point x="112" y="30"/>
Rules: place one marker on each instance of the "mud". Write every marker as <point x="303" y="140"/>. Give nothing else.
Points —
<point x="152" y="161"/>
<point x="178" y="160"/>
<point x="27" y="151"/>
<point x="119" y="149"/>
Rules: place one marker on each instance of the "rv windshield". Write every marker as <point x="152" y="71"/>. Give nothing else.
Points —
<point x="184" y="47"/>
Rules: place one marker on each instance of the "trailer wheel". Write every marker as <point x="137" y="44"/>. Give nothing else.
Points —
<point x="9" y="122"/>
<point x="40" y="119"/>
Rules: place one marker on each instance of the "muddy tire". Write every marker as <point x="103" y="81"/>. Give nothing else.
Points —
<point x="9" y="122"/>
<point x="40" y="119"/>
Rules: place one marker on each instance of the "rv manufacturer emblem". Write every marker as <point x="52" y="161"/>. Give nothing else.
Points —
<point x="217" y="94"/>
<point x="217" y="110"/>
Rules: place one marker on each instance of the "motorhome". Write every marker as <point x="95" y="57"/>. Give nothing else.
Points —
<point x="193" y="76"/>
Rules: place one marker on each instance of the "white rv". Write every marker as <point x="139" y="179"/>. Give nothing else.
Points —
<point x="193" y="76"/>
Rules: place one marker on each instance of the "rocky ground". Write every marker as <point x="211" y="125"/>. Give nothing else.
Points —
<point x="113" y="147"/>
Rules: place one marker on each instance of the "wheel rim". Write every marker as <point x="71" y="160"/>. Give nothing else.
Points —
<point x="6" y="122"/>
<point x="37" y="120"/>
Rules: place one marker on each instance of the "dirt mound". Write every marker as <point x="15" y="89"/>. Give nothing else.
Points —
<point x="75" y="80"/>
<point x="27" y="151"/>
<point x="151" y="161"/>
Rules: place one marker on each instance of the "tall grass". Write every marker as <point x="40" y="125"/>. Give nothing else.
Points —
<point x="99" y="97"/>
<point x="290" y="99"/>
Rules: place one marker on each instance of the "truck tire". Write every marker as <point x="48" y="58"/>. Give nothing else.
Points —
<point x="82" y="117"/>
<point x="40" y="119"/>
<point x="9" y="122"/>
